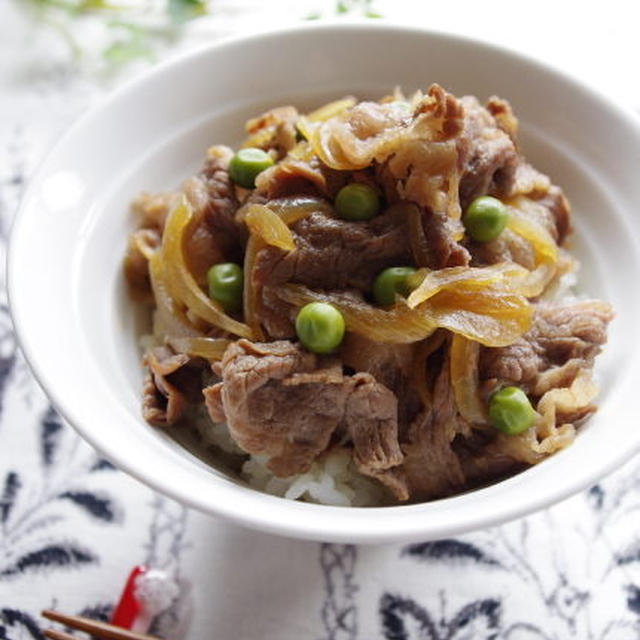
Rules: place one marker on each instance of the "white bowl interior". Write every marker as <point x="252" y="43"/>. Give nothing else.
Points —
<point x="80" y="330"/>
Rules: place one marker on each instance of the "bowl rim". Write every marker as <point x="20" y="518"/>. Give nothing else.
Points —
<point x="255" y="509"/>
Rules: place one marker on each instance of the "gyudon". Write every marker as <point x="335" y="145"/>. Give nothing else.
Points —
<point x="363" y="304"/>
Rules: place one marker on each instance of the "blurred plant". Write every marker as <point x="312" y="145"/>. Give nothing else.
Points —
<point x="343" y="7"/>
<point x="135" y="28"/>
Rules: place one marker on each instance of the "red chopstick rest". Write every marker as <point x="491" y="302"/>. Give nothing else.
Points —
<point x="147" y="593"/>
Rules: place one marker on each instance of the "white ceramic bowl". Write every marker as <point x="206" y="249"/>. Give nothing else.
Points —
<point x="79" y="330"/>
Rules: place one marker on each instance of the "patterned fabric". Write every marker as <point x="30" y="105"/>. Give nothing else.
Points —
<point x="72" y="526"/>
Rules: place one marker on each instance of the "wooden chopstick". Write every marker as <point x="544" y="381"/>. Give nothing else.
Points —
<point x="98" y="629"/>
<point x="58" y="635"/>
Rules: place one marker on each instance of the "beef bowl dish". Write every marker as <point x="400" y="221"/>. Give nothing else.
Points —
<point x="367" y="304"/>
<point x="336" y="310"/>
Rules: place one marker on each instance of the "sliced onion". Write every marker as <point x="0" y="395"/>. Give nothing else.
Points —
<point x="302" y="151"/>
<point x="421" y="355"/>
<point x="397" y="325"/>
<point x="269" y="226"/>
<point x="464" y="356"/>
<point x="490" y="318"/>
<point x="208" y="348"/>
<point x="331" y="109"/>
<point x="249" y="295"/>
<point x="567" y="400"/>
<point x="293" y="209"/>
<point x="523" y="221"/>
<point x="503" y="276"/>
<point x="146" y="241"/>
<point x="181" y="284"/>
<point x="168" y="317"/>
<point x="546" y="436"/>
<point x="260" y="138"/>
<point x="493" y="320"/>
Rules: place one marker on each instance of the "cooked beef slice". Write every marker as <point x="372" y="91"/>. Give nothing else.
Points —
<point x="172" y="381"/>
<point x="136" y="265"/>
<point x="563" y="339"/>
<point x="213" y="198"/>
<point x="284" y="402"/>
<point x="492" y="165"/>
<point x="330" y="254"/>
<point x="507" y="247"/>
<point x="442" y="250"/>
<point x="431" y="468"/>
<point x="487" y="155"/>
<point x="276" y="129"/>
<point x="371" y="417"/>
<point x="337" y="254"/>
<point x="292" y="177"/>
<point x="390" y="364"/>
<point x="151" y="210"/>
<point x="482" y="463"/>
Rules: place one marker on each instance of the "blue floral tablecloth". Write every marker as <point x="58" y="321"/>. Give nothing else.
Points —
<point x="72" y="526"/>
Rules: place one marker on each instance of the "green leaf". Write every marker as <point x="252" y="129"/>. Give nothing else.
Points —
<point x="122" y="51"/>
<point x="96" y="5"/>
<point x="342" y="7"/>
<point x="373" y="14"/>
<point x="75" y="7"/>
<point x="313" y="16"/>
<point x="184" y="10"/>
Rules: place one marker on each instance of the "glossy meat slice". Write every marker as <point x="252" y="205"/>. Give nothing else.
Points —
<point x="337" y="254"/>
<point x="274" y="130"/>
<point x="431" y="468"/>
<point x="563" y="340"/>
<point x="390" y="364"/>
<point x="213" y="197"/>
<point x="281" y="401"/>
<point x="172" y="381"/>
<point x="487" y="155"/>
<point x="330" y="254"/>
<point x="136" y="265"/>
<point x="491" y="165"/>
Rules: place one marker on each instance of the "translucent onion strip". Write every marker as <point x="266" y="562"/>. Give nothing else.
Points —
<point x="249" y="295"/>
<point x="180" y="282"/>
<point x="146" y="241"/>
<point x="421" y="355"/>
<point x="293" y="209"/>
<point x="463" y="358"/>
<point x="168" y="317"/>
<point x="397" y="325"/>
<point x="522" y="220"/>
<point x="523" y="216"/>
<point x="417" y="237"/>
<point x="493" y="319"/>
<point x="331" y="109"/>
<point x="505" y="276"/>
<point x="267" y="225"/>
<point x="208" y="348"/>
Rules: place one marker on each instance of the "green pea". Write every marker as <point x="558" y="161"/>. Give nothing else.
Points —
<point x="510" y="411"/>
<point x="226" y="281"/>
<point x="320" y="327"/>
<point x="246" y="164"/>
<point x="357" y="201"/>
<point x="485" y="218"/>
<point x="391" y="281"/>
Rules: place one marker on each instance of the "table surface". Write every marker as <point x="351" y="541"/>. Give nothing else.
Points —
<point x="72" y="526"/>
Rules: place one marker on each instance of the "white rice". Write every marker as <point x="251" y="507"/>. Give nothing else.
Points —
<point x="332" y="479"/>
